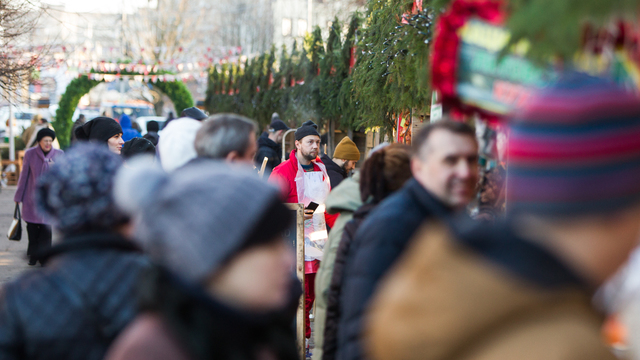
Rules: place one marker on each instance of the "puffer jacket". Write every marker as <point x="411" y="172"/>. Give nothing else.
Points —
<point x="380" y="240"/>
<point x="343" y="200"/>
<point x="485" y="293"/>
<point x="76" y="305"/>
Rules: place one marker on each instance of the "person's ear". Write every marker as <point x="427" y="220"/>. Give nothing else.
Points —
<point x="232" y="156"/>
<point x="416" y="165"/>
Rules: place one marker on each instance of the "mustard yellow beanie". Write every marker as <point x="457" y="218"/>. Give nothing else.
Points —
<point x="346" y="150"/>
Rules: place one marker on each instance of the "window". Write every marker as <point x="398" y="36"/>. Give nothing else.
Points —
<point x="286" y="27"/>
<point x="302" y="27"/>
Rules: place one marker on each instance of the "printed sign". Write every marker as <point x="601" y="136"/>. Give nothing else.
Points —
<point x="488" y="82"/>
<point x="499" y="84"/>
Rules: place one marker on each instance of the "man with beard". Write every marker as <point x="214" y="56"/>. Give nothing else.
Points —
<point x="344" y="160"/>
<point x="445" y="172"/>
<point x="304" y="179"/>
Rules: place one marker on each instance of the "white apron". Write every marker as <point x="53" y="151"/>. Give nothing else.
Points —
<point x="313" y="186"/>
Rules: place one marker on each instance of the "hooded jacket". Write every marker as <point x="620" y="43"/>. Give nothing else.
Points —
<point x="380" y="240"/>
<point x="268" y="148"/>
<point x="128" y="132"/>
<point x="343" y="200"/>
<point x="336" y="173"/>
<point x="482" y="295"/>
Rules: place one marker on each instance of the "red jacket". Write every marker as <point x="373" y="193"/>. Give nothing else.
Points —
<point x="285" y="176"/>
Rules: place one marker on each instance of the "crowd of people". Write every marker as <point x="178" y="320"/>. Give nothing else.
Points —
<point x="172" y="246"/>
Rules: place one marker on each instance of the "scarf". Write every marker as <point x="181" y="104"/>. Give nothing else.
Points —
<point x="47" y="160"/>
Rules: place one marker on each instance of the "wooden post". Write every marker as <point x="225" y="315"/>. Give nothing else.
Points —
<point x="264" y="164"/>
<point x="299" y="248"/>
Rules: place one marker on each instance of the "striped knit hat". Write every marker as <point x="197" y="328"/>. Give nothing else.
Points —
<point x="574" y="149"/>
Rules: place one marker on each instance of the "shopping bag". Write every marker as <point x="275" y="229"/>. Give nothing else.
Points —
<point x="15" y="230"/>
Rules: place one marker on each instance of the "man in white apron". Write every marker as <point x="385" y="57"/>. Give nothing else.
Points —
<point x="304" y="179"/>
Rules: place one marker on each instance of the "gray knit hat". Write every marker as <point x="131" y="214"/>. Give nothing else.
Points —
<point x="195" y="219"/>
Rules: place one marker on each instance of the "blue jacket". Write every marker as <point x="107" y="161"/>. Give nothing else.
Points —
<point x="128" y="132"/>
<point x="377" y="244"/>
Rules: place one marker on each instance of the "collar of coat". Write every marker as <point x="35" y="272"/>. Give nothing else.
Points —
<point x="293" y="162"/>
<point x="88" y="241"/>
<point x="427" y="201"/>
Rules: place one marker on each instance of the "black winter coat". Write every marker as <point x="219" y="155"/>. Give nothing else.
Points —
<point x="76" y="305"/>
<point x="377" y="244"/>
<point x="335" y="172"/>
<point x="268" y="148"/>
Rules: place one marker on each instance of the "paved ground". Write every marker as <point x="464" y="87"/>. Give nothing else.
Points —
<point x="13" y="259"/>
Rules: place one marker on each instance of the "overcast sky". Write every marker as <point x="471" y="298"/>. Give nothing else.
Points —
<point x="113" y="6"/>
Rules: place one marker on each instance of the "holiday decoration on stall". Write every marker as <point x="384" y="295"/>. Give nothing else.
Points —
<point x="478" y="69"/>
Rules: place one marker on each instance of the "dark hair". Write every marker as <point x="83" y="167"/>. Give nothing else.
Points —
<point x="456" y="127"/>
<point x="153" y="126"/>
<point x="137" y="146"/>
<point x="385" y="171"/>
<point x="324" y="139"/>
<point x="136" y="126"/>
<point x="221" y="134"/>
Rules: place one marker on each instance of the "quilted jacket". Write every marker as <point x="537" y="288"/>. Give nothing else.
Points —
<point x="76" y="305"/>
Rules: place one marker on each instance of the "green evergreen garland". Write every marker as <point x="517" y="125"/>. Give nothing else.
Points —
<point x="177" y="91"/>
<point x="67" y="106"/>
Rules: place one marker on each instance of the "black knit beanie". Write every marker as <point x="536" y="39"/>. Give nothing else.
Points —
<point x="44" y="133"/>
<point x="137" y="146"/>
<point x="307" y="128"/>
<point x="99" y="129"/>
